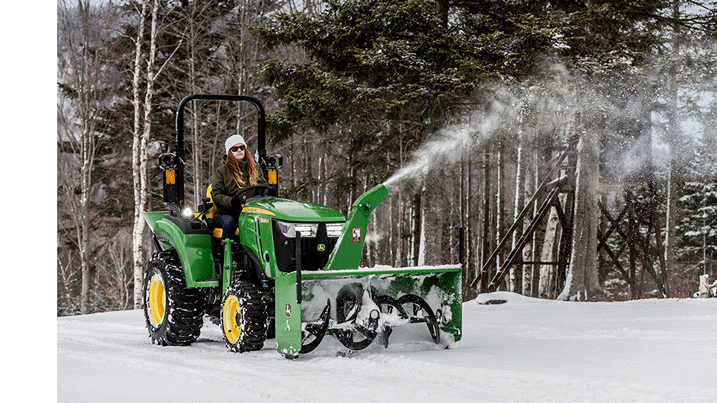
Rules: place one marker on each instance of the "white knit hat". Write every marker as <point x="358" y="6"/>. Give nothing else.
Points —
<point x="231" y="141"/>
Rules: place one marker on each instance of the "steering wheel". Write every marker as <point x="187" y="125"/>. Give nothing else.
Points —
<point x="261" y="190"/>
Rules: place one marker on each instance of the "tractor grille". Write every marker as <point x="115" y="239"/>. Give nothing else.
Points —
<point x="316" y="244"/>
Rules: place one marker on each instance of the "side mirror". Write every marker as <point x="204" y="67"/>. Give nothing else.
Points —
<point x="274" y="161"/>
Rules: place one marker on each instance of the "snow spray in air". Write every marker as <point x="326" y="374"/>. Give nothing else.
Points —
<point x="447" y="145"/>
<point x="444" y="148"/>
<point x="557" y="108"/>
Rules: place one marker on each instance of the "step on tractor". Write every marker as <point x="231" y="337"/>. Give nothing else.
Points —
<point x="290" y="272"/>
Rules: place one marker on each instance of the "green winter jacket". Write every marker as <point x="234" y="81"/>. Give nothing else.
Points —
<point x="224" y="187"/>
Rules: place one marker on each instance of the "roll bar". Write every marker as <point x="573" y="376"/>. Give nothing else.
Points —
<point x="174" y="192"/>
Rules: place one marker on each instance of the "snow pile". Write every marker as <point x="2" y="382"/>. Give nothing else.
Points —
<point x="513" y="349"/>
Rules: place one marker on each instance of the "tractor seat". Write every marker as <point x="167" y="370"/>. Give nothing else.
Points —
<point x="216" y="229"/>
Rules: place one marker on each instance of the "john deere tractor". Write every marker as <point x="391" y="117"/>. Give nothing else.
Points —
<point x="291" y="270"/>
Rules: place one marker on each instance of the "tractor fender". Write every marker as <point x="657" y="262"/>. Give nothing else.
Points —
<point x="193" y="246"/>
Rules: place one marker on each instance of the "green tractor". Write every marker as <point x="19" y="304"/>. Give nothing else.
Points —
<point x="290" y="272"/>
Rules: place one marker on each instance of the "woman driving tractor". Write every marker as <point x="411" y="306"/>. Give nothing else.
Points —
<point x="239" y="171"/>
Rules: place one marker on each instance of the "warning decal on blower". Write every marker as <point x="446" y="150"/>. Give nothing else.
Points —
<point x="287" y="310"/>
<point x="356" y="234"/>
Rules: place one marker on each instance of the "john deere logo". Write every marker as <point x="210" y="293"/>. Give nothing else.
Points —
<point x="321" y="247"/>
<point x="287" y="310"/>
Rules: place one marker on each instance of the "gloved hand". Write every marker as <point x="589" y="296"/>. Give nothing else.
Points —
<point x="238" y="201"/>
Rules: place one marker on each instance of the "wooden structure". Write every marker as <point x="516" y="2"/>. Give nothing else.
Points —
<point x="635" y="226"/>
<point x="642" y="223"/>
<point x="549" y="190"/>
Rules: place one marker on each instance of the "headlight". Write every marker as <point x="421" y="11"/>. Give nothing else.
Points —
<point x="334" y="229"/>
<point x="187" y="213"/>
<point x="288" y="229"/>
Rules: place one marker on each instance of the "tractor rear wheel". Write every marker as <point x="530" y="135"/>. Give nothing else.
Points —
<point x="172" y="312"/>
<point x="243" y="318"/>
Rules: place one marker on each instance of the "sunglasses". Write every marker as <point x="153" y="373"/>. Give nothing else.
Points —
<point x="237" y="148"/>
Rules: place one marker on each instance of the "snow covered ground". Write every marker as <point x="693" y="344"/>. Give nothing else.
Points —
<point x="523" y="350"/>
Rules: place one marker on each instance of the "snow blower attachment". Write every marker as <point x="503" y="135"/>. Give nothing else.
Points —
<point x="360" y="305"/>
<point x="291" y="273"/>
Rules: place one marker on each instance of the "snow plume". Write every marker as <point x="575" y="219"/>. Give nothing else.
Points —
<point x="446" y="145"/>
<point x="509" y="113"/>
<point x="550" y="109"/>
<point x="443" y="148"/>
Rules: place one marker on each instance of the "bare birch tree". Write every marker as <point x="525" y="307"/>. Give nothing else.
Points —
<point x="83" y="79"/>
<point x="138" y="227"/>
<point x="139" y="144"/>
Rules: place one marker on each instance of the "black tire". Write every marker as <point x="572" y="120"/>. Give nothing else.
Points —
<point x="173" y="313"/>
<point x="243" y="319"/>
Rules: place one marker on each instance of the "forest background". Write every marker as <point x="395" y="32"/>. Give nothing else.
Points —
<point x="460" y="105"/>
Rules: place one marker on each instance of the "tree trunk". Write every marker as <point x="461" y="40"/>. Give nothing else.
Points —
<point x="471" y="251"/>
<point x="138" y="173"/>
<point x="516" y="269"/>
<point x="87" y="159"/>
<point x="672" y="140"/>
<point x="196" y="153"/>
<point x="499" y="209"/>
<point x="535" y="269"/>
<point x="416" y="227"/>
<point x="485" y="244"/>
<point x="527" y="271"/>
<point x="464" y="222"/>
<point x="399" y="262"/>
<point x="531" y="277"/>
<point x="582" y="282"/>
<point x="546" y="254"/>
<point x="391" y="237"/>
<point x="421" y="261"/>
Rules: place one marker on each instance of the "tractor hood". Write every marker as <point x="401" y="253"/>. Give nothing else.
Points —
<point x="291" y="210"/>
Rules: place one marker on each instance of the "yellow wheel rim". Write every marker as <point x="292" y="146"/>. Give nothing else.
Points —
<point x="230" y="312"/>
<point x="155" y="299"/>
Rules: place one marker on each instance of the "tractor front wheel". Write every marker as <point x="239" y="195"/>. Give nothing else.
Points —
<point x="172" y="312"/>
<point x="243" y="318"/>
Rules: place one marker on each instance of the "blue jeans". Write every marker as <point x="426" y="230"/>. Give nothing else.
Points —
<point x="228" y="223"/>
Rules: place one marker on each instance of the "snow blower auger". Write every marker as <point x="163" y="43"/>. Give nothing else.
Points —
<point x="290" y="272"/>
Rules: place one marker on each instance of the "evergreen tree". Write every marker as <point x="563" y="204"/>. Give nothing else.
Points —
<point x="382" y="76"/>
<point x="696" y="228"/>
